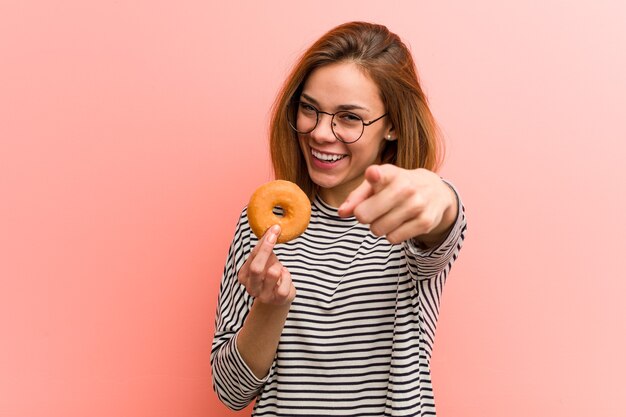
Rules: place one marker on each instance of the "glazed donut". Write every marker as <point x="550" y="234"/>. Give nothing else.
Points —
<point x="286" y="195"/>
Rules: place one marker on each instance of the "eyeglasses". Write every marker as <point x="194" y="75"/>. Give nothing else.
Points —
<point x="346" y="126"/>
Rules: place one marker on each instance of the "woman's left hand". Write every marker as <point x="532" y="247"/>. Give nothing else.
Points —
<point x="402" y="204"/>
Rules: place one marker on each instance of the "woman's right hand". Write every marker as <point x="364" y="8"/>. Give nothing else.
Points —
<point x="263" y="276"/>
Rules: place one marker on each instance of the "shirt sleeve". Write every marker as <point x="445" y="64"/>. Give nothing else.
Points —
<point x="430" y="263"/>
<point x="233" y="381"/>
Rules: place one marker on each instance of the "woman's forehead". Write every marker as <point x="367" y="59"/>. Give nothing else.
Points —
<point x="342" y="84"/>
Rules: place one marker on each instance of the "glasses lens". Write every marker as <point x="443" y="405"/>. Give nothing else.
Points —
<point x="348" y="127"/>
<point x="302" y="117"/>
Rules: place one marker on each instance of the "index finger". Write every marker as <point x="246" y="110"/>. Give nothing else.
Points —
<point x="376" y="177"/>
<point x="356" y="197"/>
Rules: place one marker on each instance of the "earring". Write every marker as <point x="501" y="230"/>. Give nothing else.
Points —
<point x="388" y="137"/>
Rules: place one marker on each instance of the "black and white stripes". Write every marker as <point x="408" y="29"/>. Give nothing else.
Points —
<point x="360" y="332"/>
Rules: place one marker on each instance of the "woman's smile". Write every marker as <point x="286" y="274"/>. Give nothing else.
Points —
<point x="326" y="160"/>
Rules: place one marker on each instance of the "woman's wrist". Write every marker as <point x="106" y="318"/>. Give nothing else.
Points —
<point x="448" y="219"/>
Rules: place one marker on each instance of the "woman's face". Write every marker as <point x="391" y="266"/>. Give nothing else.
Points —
<point x="336" y="167"/>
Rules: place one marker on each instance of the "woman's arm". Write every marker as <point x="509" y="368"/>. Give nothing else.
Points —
<point x="258" y="339"/>
<point x="247" y="329"/>
<point x="270" y="284"/>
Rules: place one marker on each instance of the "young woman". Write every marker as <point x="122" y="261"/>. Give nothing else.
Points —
<point x="341" y="320"/>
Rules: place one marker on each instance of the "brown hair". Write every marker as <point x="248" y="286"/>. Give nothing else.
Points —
<point x="388" y="62"/>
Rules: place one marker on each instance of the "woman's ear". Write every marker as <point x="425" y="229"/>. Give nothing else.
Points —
<point x="391" y="135"/>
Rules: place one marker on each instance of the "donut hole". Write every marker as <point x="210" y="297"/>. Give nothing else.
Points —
<point x="278" y="211"/>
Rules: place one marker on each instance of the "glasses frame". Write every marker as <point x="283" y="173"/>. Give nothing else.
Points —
<point x="296" y="105"/>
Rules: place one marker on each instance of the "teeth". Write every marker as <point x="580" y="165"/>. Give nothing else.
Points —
<point x="326" y="157"/>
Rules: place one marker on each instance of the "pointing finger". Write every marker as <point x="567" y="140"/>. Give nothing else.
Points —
<point x="376" y="178"/>
<point x="365" y="190"/>
<point x="357" y="196"/>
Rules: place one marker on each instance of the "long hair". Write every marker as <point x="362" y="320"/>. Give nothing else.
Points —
<point x="388" y="62"/>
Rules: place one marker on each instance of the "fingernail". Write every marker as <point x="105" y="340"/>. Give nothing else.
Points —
<point x="273" y="234"/>
<point x="343" y="206"/>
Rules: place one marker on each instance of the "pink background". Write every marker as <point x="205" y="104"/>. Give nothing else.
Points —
<point x="132" y="134"/>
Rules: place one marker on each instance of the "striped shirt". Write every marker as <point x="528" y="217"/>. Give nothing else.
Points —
<point x="360" y="332"/>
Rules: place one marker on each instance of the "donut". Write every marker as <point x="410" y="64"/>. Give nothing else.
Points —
<point x="286" y="195"/>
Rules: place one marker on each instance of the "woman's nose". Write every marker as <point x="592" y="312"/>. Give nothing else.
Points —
<point x="323" y="132"/>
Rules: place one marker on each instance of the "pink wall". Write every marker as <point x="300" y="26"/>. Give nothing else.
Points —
<point x="125" y="159"/>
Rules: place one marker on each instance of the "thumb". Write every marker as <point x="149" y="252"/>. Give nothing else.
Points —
<point x="379" y="176"/>
<point x="374" y="176"/>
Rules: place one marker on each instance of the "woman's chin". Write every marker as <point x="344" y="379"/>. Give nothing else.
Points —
<point x="324" y="182"/>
